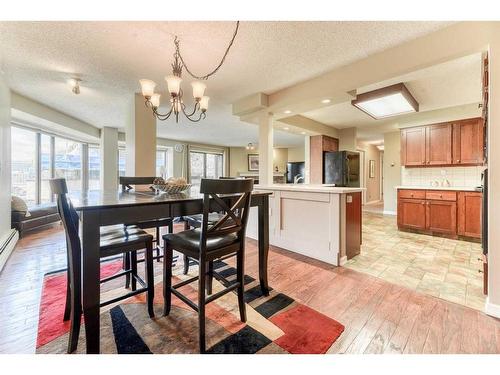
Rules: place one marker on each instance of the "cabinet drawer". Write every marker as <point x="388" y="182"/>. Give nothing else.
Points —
<point x="441" y="195"/>
<point x="411" y="194"/>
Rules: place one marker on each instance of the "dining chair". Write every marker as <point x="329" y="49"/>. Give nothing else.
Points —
<point x="194" y="221"/>
<point x="223" y="238"/>
<point x="126" y="185"/>
<point x="114" y="240"/>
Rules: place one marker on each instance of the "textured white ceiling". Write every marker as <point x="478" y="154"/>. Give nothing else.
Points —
<point x="451" y="84"/>
<point x="111" y="57"/>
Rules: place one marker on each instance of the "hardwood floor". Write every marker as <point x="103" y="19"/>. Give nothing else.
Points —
<point x="380" y="317"/>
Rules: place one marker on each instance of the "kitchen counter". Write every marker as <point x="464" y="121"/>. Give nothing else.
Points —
<point x="319" y="221"/>
<point x="310" y="188"/>
<point x="451" y="188"/>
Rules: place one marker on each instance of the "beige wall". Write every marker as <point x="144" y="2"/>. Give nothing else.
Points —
<point x="4" y="159"/>
<point x="296" y="153"/>
<point x="372" y="184"/>
<point x="392" y="170"/>
<point x="238" y="159"/>
<point x="348" y="139"/>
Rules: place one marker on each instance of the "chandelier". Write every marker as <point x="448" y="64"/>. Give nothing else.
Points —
<point x="177" y="106"/>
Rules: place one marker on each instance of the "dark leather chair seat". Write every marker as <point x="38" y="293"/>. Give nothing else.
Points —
<point x="189" y="241"/>
<point x="119" y="237"/>
<point x="194" y="221"/>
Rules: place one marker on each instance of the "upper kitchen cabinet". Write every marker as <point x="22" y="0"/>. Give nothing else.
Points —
<point x="468" y="142"/>
<point x="413" y="146"/>
<point x="445" y="144"/>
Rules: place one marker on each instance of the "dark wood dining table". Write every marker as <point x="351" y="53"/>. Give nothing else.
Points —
<point x="102" y="208"/>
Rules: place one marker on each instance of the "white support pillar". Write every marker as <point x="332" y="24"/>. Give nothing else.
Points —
<point x="266" y="148"/>
<point x="141" y="140"/>
<point x="307" y="159"/>
<point x="109" y="158"/>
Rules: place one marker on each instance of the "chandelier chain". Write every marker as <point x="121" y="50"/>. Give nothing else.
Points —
<point x="205" y="77"/>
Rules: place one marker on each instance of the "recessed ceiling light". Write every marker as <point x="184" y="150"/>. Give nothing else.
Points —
<point x="386" y="102"/>
<point x="286" y="128"/>
<point x="287" y="111"/>
<point x="326" y="101"/>
<point x="303" y="133"/>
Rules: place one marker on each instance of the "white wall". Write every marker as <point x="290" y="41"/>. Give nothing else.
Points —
<point x="4" y="158"/>
<point x="392" y="170"/>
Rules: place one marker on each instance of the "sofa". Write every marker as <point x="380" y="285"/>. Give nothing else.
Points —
<point x="35" y="218"/>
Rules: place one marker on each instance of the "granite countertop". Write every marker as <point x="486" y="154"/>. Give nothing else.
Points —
<point x="453" y="188"/>
<point x="311" y="188"/>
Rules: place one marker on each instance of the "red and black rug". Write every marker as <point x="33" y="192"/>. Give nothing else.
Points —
<point x="275" y="324"/>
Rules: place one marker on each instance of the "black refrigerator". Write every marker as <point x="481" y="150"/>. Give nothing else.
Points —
<point x="341" y="168"/>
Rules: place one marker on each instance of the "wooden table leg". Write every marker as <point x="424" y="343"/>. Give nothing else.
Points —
<point x="90" y="234"/>
<point x="263" y="224"/>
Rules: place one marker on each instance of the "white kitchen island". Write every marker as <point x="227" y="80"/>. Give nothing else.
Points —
<point x="319" y="221"/>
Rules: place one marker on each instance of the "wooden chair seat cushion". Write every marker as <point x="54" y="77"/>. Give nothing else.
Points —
<point x="195" y="220"/>
<point x="188" y="241"/>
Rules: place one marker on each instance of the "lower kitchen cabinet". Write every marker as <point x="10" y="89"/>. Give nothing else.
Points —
<point x="448" y="213"/>
<point x="469" y="214"/>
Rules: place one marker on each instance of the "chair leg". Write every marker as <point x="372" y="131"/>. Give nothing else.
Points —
<point x="74" y="330"/>
<point x="67" y="306"/>
<point x="186" y="265"/>
<point x="158" y="243"/>
<point x="126" y="266"/>
<point x="167" y="278"/>
<point x="133" y="266"/>
<point x="210" y="276"/>
<point x="150" y="279"/>
<point x="240" y="277"/>
<point x="201" y="304"/>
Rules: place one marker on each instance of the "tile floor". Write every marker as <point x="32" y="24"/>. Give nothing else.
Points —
<point x="440" y="267"/>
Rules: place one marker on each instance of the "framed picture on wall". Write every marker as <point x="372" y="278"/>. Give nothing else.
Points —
<point x="372" y="169"/>
<point x="253" y="162"/>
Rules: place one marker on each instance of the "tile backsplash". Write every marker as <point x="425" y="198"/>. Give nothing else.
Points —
<point x="457" y="176"/>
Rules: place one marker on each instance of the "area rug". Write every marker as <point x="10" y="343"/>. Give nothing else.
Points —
<point x="275" y="323"/>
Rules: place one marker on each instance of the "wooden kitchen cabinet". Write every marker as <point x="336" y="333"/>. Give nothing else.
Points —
<point x="441" y="216"/>
<point x="447" y="212"/>
<point x="469" y="214"/>
<point x="318" y="145"/>
<point x="444" y="144"/>
<point x="438" y="144"/>
<point x="413" y="146"/>
<point x="411" y="213"/>
<point x="468" y="142"/>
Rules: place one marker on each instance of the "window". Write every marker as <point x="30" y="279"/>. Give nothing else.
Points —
<point x="24" y="165"/>
<point x="121" y="162"/>
<point x="37" y="157"/>
<point x="204" y="165"/>
<point x="45" y="167"/>
<point x="94" y="167"/>
<point x="162" y="166"/>
<point x="68" y="163"/>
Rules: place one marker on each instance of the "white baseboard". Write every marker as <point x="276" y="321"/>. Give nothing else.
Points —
<point x="7" y="244"/>
<point x="492" y="309"/>
<point x="376" y="201"/>
<point x="389" y="212"/>
<point x="343" y="260"/>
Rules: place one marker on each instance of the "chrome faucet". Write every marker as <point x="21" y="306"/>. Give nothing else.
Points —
<point x="297" y="178"/>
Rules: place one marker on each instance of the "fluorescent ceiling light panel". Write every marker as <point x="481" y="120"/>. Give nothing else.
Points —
<point x="386" y="102"/>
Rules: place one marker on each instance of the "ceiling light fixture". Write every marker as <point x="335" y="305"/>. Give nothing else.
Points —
<point x="326" y="101"/>
<point x="174" y="88"/>
<point x="386" y="102"/>
<point x="75" y="85"/>
<point x="286" y="128"/>
<point x="287" y="112"/>
<point x="303" y="133"/>
<point x="250" y="146"/>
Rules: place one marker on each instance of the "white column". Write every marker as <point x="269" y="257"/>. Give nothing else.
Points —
<point x="140" y="139"/>
<point x="266" y="148"/>
<point x="307" y="159"/>
<point x="109" y="158"/>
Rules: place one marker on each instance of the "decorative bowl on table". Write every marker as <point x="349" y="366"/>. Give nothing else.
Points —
<point x="171" y="186"/>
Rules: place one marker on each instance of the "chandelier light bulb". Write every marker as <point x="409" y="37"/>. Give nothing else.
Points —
<point x="204" y="103"/>
<point x="198" y="89"/>
<point x="147" y="87"/>
<point x="155" y="100"/>
<point x="174" y="84"/>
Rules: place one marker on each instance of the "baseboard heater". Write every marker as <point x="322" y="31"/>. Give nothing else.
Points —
<point x="6" y="246"/>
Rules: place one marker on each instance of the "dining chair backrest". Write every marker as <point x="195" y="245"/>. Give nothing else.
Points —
<point x="235" y="208"/>
<point x="70" y="220"/>
<point x="127" y="182"/>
